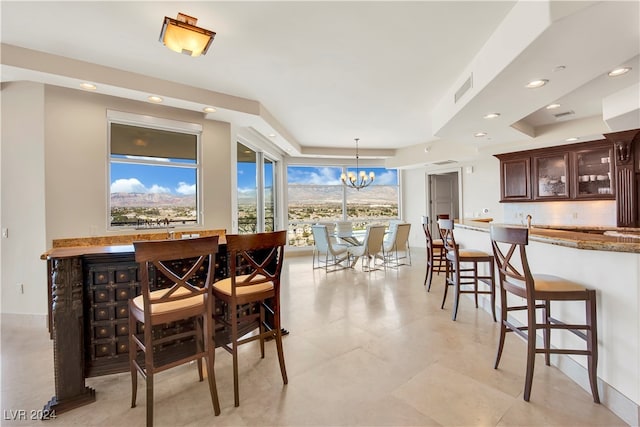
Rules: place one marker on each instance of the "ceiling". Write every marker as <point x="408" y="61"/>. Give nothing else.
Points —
<point x="312" y="76"/>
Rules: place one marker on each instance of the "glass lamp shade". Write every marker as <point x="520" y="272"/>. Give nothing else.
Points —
<point x="185" y="38"/>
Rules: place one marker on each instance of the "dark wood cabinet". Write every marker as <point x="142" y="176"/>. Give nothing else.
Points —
<point x="593" y="176"/>
<point x="582" y="171"/>
<point x="514" y="182"/>
<point x="551" y="176"/>
<point x="626" y="154"/>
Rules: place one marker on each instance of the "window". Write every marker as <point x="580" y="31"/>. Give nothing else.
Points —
<point x="256" y="174"/>
<point x="316" y="194"/>
<point x="153" y="176"/>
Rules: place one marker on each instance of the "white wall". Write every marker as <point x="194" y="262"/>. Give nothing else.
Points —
<point x="54" y="177"/>
<point x="481" y="188"/>
<point x="23" y="199"/>
<point x="414" y="204"/>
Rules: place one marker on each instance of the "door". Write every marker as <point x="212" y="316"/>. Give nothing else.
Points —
<point x="256" y="178"/>
<point x="443" y="191"/>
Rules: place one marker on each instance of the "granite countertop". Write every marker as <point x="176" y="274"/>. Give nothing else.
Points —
<point x="616" y="239"/>
<point x="121" y="243"/>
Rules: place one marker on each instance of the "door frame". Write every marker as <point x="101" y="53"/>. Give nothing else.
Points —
<point x="263" y="150"/>
<point x="428" y="202"/>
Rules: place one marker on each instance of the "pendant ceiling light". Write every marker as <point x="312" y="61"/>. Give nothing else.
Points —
<point x="181" y="35"/>
<point x="359" y="179"/>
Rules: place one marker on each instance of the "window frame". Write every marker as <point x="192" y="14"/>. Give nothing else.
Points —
<point x="157" y="123"/>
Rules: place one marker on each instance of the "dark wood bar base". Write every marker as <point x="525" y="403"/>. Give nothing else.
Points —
<point x="68" y="352"/>
<point x="54" y="406"/>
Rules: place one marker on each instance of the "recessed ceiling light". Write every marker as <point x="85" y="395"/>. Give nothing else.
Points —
<point x="480" y="134"/>
<point x="209" y="110"/>
<point x="534" y="84"/>
<point x="619" y="71"/>
<point x="491" y="115"/>
<point x="155" y="99"/>
<point x="272" y="135"/>
<point x="552" y="106"/>
<point x="559" y="68"/>
<point x="573" y="138"/>
<point x="88" y="86"/>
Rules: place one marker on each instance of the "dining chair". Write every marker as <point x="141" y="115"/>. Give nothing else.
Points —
<point x="538" y="291"/>
<point x="435" y="262"/>
<point x="331" y="231"/>
<point x="371" y="249"/>
<point x="175" y="284"/>
<point x="344" y="228"/>
<point x="255" y="265"/>
<point x="462" y="270"/>
<point x="334" y="254"/>
<point x="397" y="243"/>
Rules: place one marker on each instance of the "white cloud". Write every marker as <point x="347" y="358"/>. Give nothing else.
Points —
<point x="324" y="176"/>
<point x="386" y="178"/>
<point x="131" y="185"/>
<point x="155" y="188"/>
<point x="186" y="189"/>
<point x="246" y="190"/>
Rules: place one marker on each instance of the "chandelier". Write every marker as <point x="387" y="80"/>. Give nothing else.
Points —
<point x="359" y="179"/>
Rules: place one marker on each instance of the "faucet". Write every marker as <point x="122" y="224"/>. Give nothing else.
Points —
<point x="529" y="218"/>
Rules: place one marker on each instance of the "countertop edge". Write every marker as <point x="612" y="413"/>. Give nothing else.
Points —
<point x="571" y="239"/>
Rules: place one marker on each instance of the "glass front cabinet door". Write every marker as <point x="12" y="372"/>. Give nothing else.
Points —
<point x="593" y="173"/>
<point x="551" y="176"/>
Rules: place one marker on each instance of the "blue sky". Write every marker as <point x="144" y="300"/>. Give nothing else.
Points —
<point x="126" y="177"/>
<point x="132" y="178"/>
<point x="331" y="175"/>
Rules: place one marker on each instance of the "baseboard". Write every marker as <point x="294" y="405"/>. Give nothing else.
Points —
<point x="24" y="320"/>
<point x="615" y="401"/>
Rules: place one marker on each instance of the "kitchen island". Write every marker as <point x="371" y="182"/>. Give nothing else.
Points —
<point x="610" y="264"/>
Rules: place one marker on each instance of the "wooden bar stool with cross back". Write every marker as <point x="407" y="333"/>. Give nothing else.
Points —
<point x="460" y="275"/>
<point x="539" y="290"/>
<point x="176" y="280"/>
<point x="435" y="260"/>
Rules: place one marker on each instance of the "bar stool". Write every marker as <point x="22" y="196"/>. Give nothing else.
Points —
<point x="440" y="260"/>
<point x="186" y="267"/>
<point x="434" y="262"/>
<point x="509" y="247"/>
<point x="255" y="267"/>
<point x="458" y="277"/>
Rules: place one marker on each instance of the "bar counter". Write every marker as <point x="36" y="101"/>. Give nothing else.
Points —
<point x="579" y="237"/>
<point x="611" y="266"/>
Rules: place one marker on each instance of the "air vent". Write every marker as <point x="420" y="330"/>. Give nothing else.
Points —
<point x="565" y="115"/>
<point x="443" y="162"/>
<point x="468" y="84"/>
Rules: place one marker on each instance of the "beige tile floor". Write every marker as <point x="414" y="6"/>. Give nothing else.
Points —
<point x="365" y="349"/>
